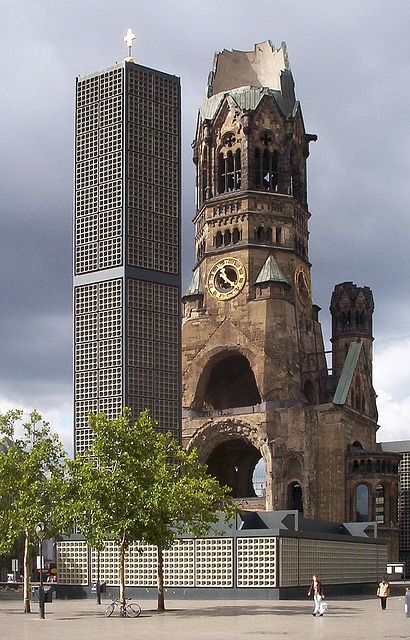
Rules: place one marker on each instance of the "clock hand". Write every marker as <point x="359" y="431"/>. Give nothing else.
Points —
<point x="225" y="277"/>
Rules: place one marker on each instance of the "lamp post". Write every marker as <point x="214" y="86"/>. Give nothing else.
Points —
<point x="41" y="534"/>
<point x="98" y="586"/>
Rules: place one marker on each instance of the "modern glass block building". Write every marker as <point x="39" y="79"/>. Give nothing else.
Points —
<point x="127" y="246"/>
<point x="403" y="447"/>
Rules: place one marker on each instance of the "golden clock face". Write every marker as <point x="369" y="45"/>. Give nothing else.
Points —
<point x="302" y="285"/>
<point x="226" y="278"/>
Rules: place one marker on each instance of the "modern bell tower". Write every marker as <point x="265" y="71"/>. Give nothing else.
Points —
<point x="127" y="246"/>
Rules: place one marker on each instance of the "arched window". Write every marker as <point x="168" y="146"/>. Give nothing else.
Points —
<point x="229" y="172"/>
<point x="227" y="238"/>
<point x="260" y="234"/>
<point x="218" y="239"/>
<point x="346" y="319"/>
<point x="362" y="503"/>
<point x="380" y="503"/>
<point x="266" y="169"/>
<point x="359" y="318"/>
<point x="295" y="497"/>
<point x="231" y="384"/>
<point x="237" y="169"/>
<point x="205" y="174"/>
<point x="221" y="173"/>
<point x="229" y="169"/>
<point x="357" y="445"/>
<point x="236" y="236"/>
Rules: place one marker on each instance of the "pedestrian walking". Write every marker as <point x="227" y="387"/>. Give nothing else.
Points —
<point x="316" y="589"/>
<point x="383" y="592"/>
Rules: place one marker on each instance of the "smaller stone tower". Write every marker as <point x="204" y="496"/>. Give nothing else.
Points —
<point x="352" y="309"/>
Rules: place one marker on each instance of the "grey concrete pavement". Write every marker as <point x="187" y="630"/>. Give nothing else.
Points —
<point x="355" y="618"/>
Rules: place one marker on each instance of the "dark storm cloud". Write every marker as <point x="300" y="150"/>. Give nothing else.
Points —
<point x="350" y="62"/>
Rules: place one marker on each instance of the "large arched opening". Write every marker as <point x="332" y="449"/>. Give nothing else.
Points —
<point x="233" y="463"/>
<point x="231" y="384"/>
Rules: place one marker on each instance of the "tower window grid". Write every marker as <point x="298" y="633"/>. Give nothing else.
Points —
<point x="126" y="215"/>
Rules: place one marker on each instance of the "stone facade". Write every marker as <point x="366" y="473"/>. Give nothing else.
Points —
<point x="255" y="377"/>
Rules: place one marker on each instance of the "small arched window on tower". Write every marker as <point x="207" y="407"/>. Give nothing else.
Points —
<point x="205" y="174"/>
<point x="229" y="165"/>
<point x="266" y="165"/>
<point x="357" y="445"/>
<point x="293" y="472"/>
<point x="221" y="173"/>
<point x="218" y="240"/>
<point x="229" y="172"/>
<point x="201" y="250"/>
<point x="295" y="497"/>
<point x="237" y="169"/>
<point x="236" y="235"/>
<point x="359" y="318"/>
<point x="260" y="234"/>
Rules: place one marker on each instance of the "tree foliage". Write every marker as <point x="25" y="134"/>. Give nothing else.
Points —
<point x="137" y="484"/>
<point x="32" y="481"/>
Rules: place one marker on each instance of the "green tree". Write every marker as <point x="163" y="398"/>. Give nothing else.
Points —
<point x="110" y="483"/>
<point x="137" y="484"/>
<point x="32" y="481"/>
<point x="183" y="499"/>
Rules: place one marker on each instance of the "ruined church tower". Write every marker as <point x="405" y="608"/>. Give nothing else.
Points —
<point x="255" y="377"/>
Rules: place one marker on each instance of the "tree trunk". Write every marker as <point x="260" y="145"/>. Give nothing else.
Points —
<point x="122" y="574"/>
<point x="26" y="571"/>
<point x="160" y="578"/>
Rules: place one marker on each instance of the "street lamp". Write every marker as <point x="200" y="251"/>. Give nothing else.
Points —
<point x="98" y="585"/>
<point x="41" y="534"/>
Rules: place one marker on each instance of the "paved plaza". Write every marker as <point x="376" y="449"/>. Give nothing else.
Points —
<point x="347" y="618"/>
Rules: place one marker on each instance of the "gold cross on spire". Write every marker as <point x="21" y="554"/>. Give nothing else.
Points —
<point x="129" y="40"/>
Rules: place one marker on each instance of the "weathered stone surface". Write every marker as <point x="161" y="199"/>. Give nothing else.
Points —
<point x="255" y="376"/>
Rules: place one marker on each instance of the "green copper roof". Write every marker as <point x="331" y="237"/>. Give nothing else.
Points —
<point x="315" y="304"/>
<point x="247" y="99"/>
<point x="348" y="370"/>
<point x="195" y="288"/>
<point x="270" y="272"/>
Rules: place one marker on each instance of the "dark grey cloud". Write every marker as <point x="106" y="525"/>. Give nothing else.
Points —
<point x="351" y="64"/>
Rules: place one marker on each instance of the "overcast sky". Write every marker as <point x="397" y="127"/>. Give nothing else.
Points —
<point x="351" y="65"/>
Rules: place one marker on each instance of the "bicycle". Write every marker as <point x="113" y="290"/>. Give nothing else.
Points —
<point x="126" y="610"/>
